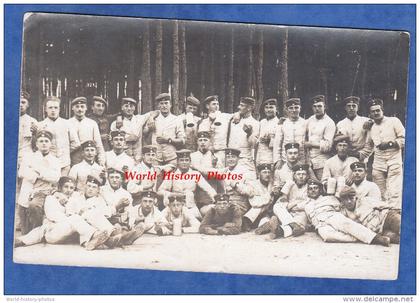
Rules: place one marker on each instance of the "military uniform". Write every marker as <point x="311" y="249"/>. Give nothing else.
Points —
<point x="148" y="222"/>
<point x="190" y="127"/>
<point x="25" y="136"/>
<point x="387" y="165"/>
<point x="104" y="123"/>
<point x="112" y="198"/>
<point x="267" y="129"/>
<point x="81" y="171"/>
<point x="64" y="141"/>
<point x="367" y="189"/>
<point x="118" y="161"/>
<point x="189" y="222"/>
<point x="229" y="223"/>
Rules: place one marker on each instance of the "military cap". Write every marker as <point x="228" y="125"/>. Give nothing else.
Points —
<point x="94" y="179"/>
<point x="272" y="101"/>
<point x="318" y="98"/>
<point x="149" y="149"/>
<point x="347" y="191"/>
<point x="247" y="100"/>
<point x="183" y="153"/>
<point x="203" y="134"/>
<point x="163" y="97"/>
<point x="314" y="182"/>
<point x="118" y="133"/>
<point x="352" y="99"/>
<point x="44" y="133"/>
<point x="339" y="138"/>
<point x="177" y="197"/>
<point x="288" y="146"/>
<point x="128" y="100"/>
<point x="112" y="170"/>
<point x="24" y="95"/>
<point x="221" y="197"/>
<point x="211" y="98"/>
<point x="375" y="101"/>
<point x="299" y="167"/>
<point x="148" y="194"/>
<point x="232" y="151"/>
<point x="79" y="100"/>
<point x="64" y="179"/>
<point x="263" y="166"/>
<point x="88" y="143"/>
<point x="292" y="101"/>
<point x="356" y="165"/>
<point x="100" y="99"/>
<point x="193" y="101"/>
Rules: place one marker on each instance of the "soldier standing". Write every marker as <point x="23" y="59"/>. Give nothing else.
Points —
<point x="100" y="116"/>
<point x="268" y="127"/>
<point x="26" y="124"/>
<point x="190" y="120"/>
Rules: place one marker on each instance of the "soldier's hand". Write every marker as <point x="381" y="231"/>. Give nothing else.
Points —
<point x="34" y="128"/>
<point x="151" y="124"/>
<point x="368" y="124"/>
<point x="248" y="129"/>
<point x="236" y="118"/>
<point x="229" y="224"/>
<point x="276" y="190"/>
<point x="211" y="231"/>
<point x="125" y="168"/>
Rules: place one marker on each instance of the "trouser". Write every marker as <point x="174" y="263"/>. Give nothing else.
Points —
<point x="35" y="216"/>
<point x="392" y="222"/>
<point x="285" y="218"/>
<point x="55" y="233"/>
<point x="390" y="184"/>
<point x="248" y="164"/>
<point x="98" y="220"/>
<point x="347" y="226"/>
<point x="23" y="219"/>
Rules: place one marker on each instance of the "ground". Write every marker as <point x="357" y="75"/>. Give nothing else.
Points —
<point x="246" y="253"/>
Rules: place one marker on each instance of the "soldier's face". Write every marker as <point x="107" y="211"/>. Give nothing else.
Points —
<point x="231" y="160"/>
<point x="43" y="144"/>
<point x="149" y="158"/>
<point x="184" y="163"/>
<point x="213" y="106"/>
<point x="128" y="109"/>
<point x="89" y="153"/>
<point x="376" y="112"/>
<point x="244" y="108"/>
<point x="293" y="111"/>
<point x="203" y="144"/>
<point x="359" y="174"/>
<point x="350" y="202"/>
<point x="300" y="177"/>
<point x="165" y="106"/>
<point x="118" y="142"/>
<point x="176" y="207"/>
<point x="53" y="109"/>
<point x="98" y="108"/>
<point x="318" y="109"/>
<point x="292" y="155"/>
<point x="265" y="175"/>
<point x="191" y="109"/>
<point x="221" y="207"/>
<point x="342" y="149"/>
<point x="79" y="110"/>
<point x="115" y="180"/>
<point x="24" y="104"/>
<point x="314" y="191"/>
<point x="270" y="110"/>
<point x="92" y="190"/>
<point x="351" y="109"/>
<point x="147" y="204"/>
<point x="68" y="188"/>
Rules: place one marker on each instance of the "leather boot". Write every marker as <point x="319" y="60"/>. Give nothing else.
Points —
<point x="381" y="240"/>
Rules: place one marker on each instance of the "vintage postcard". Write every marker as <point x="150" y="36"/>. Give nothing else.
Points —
<point x="211" y="147"/>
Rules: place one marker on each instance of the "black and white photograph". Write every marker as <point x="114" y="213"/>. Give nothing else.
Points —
<point x="220" y="147"/>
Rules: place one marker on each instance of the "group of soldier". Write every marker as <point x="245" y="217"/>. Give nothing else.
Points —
<point x="282" y="176"/>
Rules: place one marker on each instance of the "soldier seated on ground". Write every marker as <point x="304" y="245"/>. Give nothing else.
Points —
<point x="376" y="215"/>
<point x="144" y="217"/>
<point x="223" y="219"/>
<point x="324" y="214"/>
<point x="289" y="211"/>
<point x="60" y="224"/>
<point x="177" y="219"/>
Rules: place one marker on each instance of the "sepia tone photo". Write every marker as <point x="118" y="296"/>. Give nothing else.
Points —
<point x="211" y="147"/>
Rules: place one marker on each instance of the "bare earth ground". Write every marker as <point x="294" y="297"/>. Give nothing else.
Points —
<point x="246" y="253"/>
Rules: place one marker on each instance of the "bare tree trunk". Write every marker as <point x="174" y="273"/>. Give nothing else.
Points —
<point x="222" y="72"/>
<point x="212" y="64"/>
<point x="231" y="87"/>
<point x="183" y="66"/>
<point x="250" y="74"/>
<point x="131" y="79"/>
<point x="158" y="59"/>
<point x="260" y="64"/>
<point x="146" y="82"/>
<point x="175" y="70"/>
<point x="283" y="87"/>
